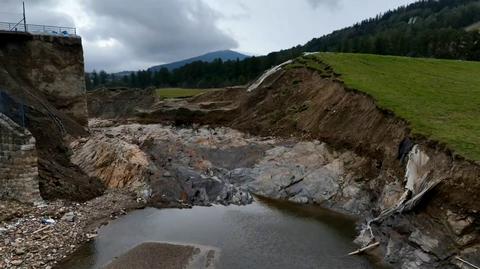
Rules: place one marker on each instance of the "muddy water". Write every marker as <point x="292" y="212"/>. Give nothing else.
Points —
<point x="265" y="234"/>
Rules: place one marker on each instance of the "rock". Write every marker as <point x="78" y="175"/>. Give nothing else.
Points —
<point x="128" y="164"/>
<point x="427" y="243"/>
<point x="16" y="262"/>
<point x="391" y="195"/>
<point x="69" y="216"/>
<point x="466" y="239"/>
<point x="458" y="223"/>
<point x="471" y="254"/>
<point x="91" y="236"/>
<point x="299" y="199"/>
<point x="297" y="174"/>
<point x="411" y="265"/>
<point x="422" y="256"/>
<point x="20" y="251"/>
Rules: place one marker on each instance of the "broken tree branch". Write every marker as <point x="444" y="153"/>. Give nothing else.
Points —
<point x="41" y="229"/>
<point x="466" y="262"/>
<point x="364" y="249"/>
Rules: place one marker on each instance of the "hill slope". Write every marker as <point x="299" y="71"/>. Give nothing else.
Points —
<point x="224" y="55"/>
<point x="439" y="98"/>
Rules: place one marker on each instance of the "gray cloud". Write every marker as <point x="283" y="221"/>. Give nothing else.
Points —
<point x="153" y="31"/>
<point x="37" y="11"/>
<point x="330" y="3"/>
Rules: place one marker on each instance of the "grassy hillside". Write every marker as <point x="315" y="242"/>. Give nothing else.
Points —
<point x="178" y="92"/>
<point x="440" y="98"/>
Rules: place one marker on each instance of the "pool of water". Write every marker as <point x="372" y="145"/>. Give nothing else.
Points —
<point x="265" y="234"/>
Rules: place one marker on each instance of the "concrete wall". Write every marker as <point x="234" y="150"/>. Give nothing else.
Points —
<point x="18" y="163"/>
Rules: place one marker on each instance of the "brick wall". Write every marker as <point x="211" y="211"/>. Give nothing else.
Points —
<point x="18" y="163"/>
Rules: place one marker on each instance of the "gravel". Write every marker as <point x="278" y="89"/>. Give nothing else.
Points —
<point x="27" y="240"/>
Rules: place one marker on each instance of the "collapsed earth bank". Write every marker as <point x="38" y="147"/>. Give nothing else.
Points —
<point x="422" y="200"/>
<point x="42" y="90"/>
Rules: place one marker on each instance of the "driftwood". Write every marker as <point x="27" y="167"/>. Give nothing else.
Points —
<point x="41" y="229"/>
<point x="466" y="262"/>
<point x="359" y="251"/>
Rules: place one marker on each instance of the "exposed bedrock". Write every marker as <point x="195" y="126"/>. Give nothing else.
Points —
<point x="163" y="164"/>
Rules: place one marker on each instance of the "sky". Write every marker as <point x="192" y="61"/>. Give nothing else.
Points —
<point x="120" y="35"/>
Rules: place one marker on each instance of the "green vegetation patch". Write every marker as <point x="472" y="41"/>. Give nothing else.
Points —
<point x="169" y="93"/>
<point x="440" y="98"/>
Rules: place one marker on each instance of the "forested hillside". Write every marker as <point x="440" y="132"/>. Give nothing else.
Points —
<point x="430" y="28"/>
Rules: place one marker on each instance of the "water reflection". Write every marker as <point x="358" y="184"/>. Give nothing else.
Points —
<point x="266" y="234"/>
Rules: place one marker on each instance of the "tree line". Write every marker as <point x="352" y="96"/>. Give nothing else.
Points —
<point x="428" y="28"/>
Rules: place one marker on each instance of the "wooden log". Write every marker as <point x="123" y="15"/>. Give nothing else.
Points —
<point x="364" y="249"/>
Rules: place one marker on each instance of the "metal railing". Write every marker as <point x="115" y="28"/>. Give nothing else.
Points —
<point x="38" y="29"/>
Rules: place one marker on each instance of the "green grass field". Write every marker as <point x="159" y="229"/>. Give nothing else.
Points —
<point x="440" y="98"/>
<point x="169" y="93"/>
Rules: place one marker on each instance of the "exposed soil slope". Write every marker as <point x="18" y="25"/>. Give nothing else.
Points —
<point x="31" y="80"/>
<point x="119" y="102"/>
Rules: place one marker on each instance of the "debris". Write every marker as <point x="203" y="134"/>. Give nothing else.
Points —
<point x="266" y="75"/>
<point x="91" y="236"/>
<point x="41" y="229"/>
<point x="20" y="251"/>
<point x="48" y="221"/>
<point x="16" y="262"/>
<point x="359" y="251"/>
<point x="418" y="183"/>
<point x="70" y="217"/>
<point x="466" y="262"/>
<point x="29" y="241"/>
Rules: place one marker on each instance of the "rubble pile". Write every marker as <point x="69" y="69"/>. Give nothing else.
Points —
<point x="41" y="236"/>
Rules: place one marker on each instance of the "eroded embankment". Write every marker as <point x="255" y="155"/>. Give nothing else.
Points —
<point x="42" y="89"/>
<point x="301" y="103"/>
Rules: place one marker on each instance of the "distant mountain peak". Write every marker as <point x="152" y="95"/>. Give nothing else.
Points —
<point x="225" y="55"/>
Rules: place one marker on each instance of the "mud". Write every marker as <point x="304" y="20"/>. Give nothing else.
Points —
<point x="162" y="255"/>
